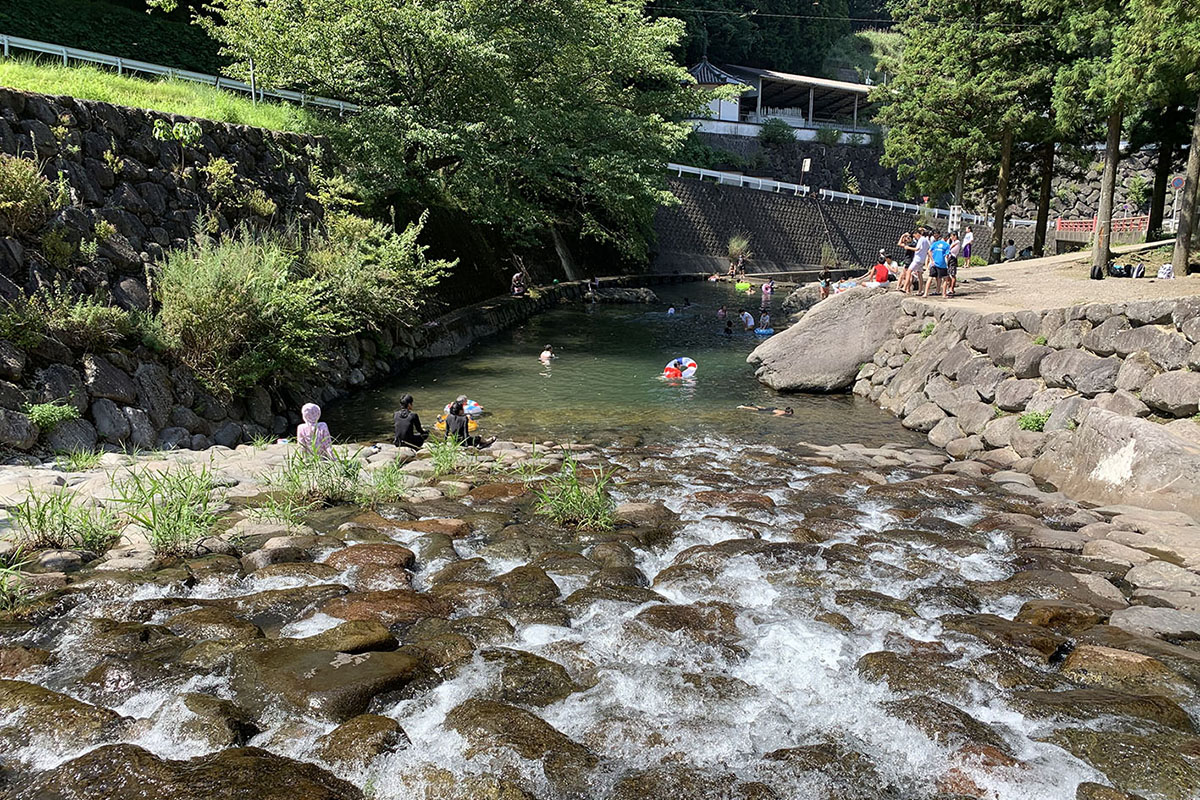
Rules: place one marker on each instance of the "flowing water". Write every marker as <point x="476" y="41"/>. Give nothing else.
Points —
<point x="789" y="568"/>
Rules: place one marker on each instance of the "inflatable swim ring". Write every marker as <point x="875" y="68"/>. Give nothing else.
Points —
<point x="440" y="425"/>
<point x="764" y="331"/>
<point x="741" y="287"/>
<point x="470" y="408"/>
<point x="683" y="367"/>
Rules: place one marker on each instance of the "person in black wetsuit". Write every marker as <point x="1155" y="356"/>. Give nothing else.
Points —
<point x="458" y="425"/>
<point x="409" y="432"/>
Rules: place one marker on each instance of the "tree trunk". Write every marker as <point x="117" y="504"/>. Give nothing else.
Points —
<point x="1158" y="197"/>
<point x="564" y="254"/>
<point x="1006" y="148"/>
<point x="1187" y="209"/>
<point x="1043" y="212"/>
<point x="1102" y="239"/>
<point x="958" y="185"/>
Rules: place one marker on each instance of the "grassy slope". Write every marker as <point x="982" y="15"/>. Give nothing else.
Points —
<point x="857" y="55"/>
<point x="175" y="97"/>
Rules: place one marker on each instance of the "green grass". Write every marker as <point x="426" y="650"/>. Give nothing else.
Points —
<point x="1039" y="340"/>
<point x="170" y="96"/>
<point x="306" y="482"/>
<point x="57" y="520"/>
<point x="450" y="457"/>
<point x="928" y="330"/>
<point x="15" y="593"/>
<point x="281" y="509"/>
<point x="175" y="507"/>
<point x="567" y="498"/>
<point x="1034" y="420"/>
<point x="78" y="460"/>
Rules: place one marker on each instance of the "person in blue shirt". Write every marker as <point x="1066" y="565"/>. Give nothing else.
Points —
<point x="940" y="271"/>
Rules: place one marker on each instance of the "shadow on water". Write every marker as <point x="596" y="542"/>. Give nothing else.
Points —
<point x="606" y="385"/>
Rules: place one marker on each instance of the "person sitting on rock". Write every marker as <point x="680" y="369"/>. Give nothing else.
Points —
<point x="409" y="432"/>
<point x="458" y="426"/>
<point x="312" y="434"/>
<point x="518" y="284"/>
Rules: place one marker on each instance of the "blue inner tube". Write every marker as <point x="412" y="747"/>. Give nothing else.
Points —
<point x="764" y="331"/>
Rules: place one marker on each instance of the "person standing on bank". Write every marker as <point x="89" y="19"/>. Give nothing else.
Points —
<point x="409" y="432"/>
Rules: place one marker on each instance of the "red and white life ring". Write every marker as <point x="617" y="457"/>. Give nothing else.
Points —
<point x="682" y="367"/>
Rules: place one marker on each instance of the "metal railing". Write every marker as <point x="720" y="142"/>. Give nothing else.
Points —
<point x="123" y="65"/>
<point x="738" y="179"/>
<point x="1119" y="224"/>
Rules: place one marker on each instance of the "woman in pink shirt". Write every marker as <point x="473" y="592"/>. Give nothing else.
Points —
<point x="312" y="434"/>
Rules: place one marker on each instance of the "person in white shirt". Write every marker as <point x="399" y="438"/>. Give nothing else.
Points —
<point x="967" y="238"/>
<point x="1010" y="251"/>
<point x="747" y="320"/>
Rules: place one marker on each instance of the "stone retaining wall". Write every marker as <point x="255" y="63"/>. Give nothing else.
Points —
<point x="131" y="398"/>
<point x="118" y="173"/>
<point x="1120" y="384"/>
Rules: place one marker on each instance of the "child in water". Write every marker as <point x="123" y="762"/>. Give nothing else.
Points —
<point x="547" y="354"/>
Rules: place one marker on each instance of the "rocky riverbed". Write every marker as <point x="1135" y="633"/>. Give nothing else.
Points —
<point x="764" y="622"/>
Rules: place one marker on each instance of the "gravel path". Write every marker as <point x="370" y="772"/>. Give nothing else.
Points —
<point x="1063" y="280"/>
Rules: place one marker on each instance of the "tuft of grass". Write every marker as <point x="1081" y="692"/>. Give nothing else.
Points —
<point x="261" y="442"/>
<point x="48" y="416"/>
<point x="1039" y="340"/>
<point x="58" y="521"/>
<point x="450" y="457"/>
<point x="15" y="593"/>
<point x="170" y="96"/>
<point x="1033" y="420"/>
<point x="78" y="460"/>
<point x="307" y="479"/>
<point x="27" y="198"/>
<point x="928" y="330"/>
<point x="568" y="499"/>
<point x="284" y="510"/>
<point x="386" y="484"/>
<point x="175" y="507"/>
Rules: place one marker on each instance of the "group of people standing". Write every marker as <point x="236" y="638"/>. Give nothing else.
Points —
<point x="934" y="259"/>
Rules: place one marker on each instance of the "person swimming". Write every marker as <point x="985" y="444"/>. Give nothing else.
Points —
<point x="547" y="354"/>
<point x="775" y="412"/>
<point x="671" y="311"/>
<point x="722" y="313"/>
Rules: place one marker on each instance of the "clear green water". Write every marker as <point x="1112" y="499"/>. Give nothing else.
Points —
<point x="605" y="385"/>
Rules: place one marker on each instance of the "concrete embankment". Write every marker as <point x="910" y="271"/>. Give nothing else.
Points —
<point x="1099" y="400"/>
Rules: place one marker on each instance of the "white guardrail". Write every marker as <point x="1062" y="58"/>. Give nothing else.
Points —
<point x="765" y="184"/>
<point x="123" y="65"/>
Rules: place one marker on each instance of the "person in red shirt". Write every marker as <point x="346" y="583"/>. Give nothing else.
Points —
<point x="878" y="273"/>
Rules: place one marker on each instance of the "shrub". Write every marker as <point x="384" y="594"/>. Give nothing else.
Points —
<point x="57" y="520"/>
<point x="978" y="261"/>
<point x="1033" y="420"/>
<point x="47" y="416"/>
<point x="856" y="140"/>
<point x="829" y="256"/>
<point x="114" y="161"/>
<point x="89" y="250"/>
<point x="27" y="199"/>
<point x="175" y="507"/>
<point x="1137" y="190"/>
<point x="775" y="131"/>
<point x="259" y="204"/>
<point x="221" y="178"/>
<point x="849" y="180"/>
<point x="376" y="277"/>
<point x="567" y="499"/>
<point x="237" y="313"/>
<point x="828" y="136"/>
<point x="104" y="230"/>
<point x="739" y="247"/>
<point x="86" y="322"/>
<point x="57" y="250"/>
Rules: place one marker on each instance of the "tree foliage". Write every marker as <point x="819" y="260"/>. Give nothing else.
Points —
<point x="528" y="115"/>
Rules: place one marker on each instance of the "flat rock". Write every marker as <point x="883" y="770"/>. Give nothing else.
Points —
<point x="1166" y="623"/>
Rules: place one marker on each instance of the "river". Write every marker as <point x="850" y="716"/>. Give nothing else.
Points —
<point x="796" y="623"/>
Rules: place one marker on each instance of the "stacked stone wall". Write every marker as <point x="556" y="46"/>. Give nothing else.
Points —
<point x="1118" y="386"/>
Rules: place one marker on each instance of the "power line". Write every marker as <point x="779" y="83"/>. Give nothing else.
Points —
<point x="870" y="20"/>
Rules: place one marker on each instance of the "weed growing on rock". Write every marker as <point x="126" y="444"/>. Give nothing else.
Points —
<point x="1033" y="420"/>
<point x="568" y="499"/>
<point x="58" y="520"/>
<point x="1039" y="340"/>
<point x="57" y="250"/>
<point x="176" y="508"/>
<point x="451" y="457"/>
<point x="48" y="416"/>
<point x="260" y="204"/>
<point x="928" y="330"/>
<point x="306" y="478"/>
<point x="386" y="484"/>
<point x="14" y="591"/>
<point x="281" y="509"/>
<point x="220" y="177"/>
<point x="27" y="199"/>
<point x="78" y="460"/>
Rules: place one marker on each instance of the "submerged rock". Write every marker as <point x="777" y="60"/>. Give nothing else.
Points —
<point x="127" y="772"/>
<point x="531" y="680"/>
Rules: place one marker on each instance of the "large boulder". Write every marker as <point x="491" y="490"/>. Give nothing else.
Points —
<point x="1119" y="459"/>
<point x="105" y="380"/>
<point x="127" y="772"/>
<point x="824" y="350"/>
<point x="1166" y="348"/>
<point x="16" y="431"/>
<point x="28" y="707"/>
<point x="1174" y="393"/>
<point x="1081" y="371"/>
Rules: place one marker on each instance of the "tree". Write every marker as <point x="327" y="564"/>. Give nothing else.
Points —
<point x="960" y="92"/>
<point x="532" y="116"/>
